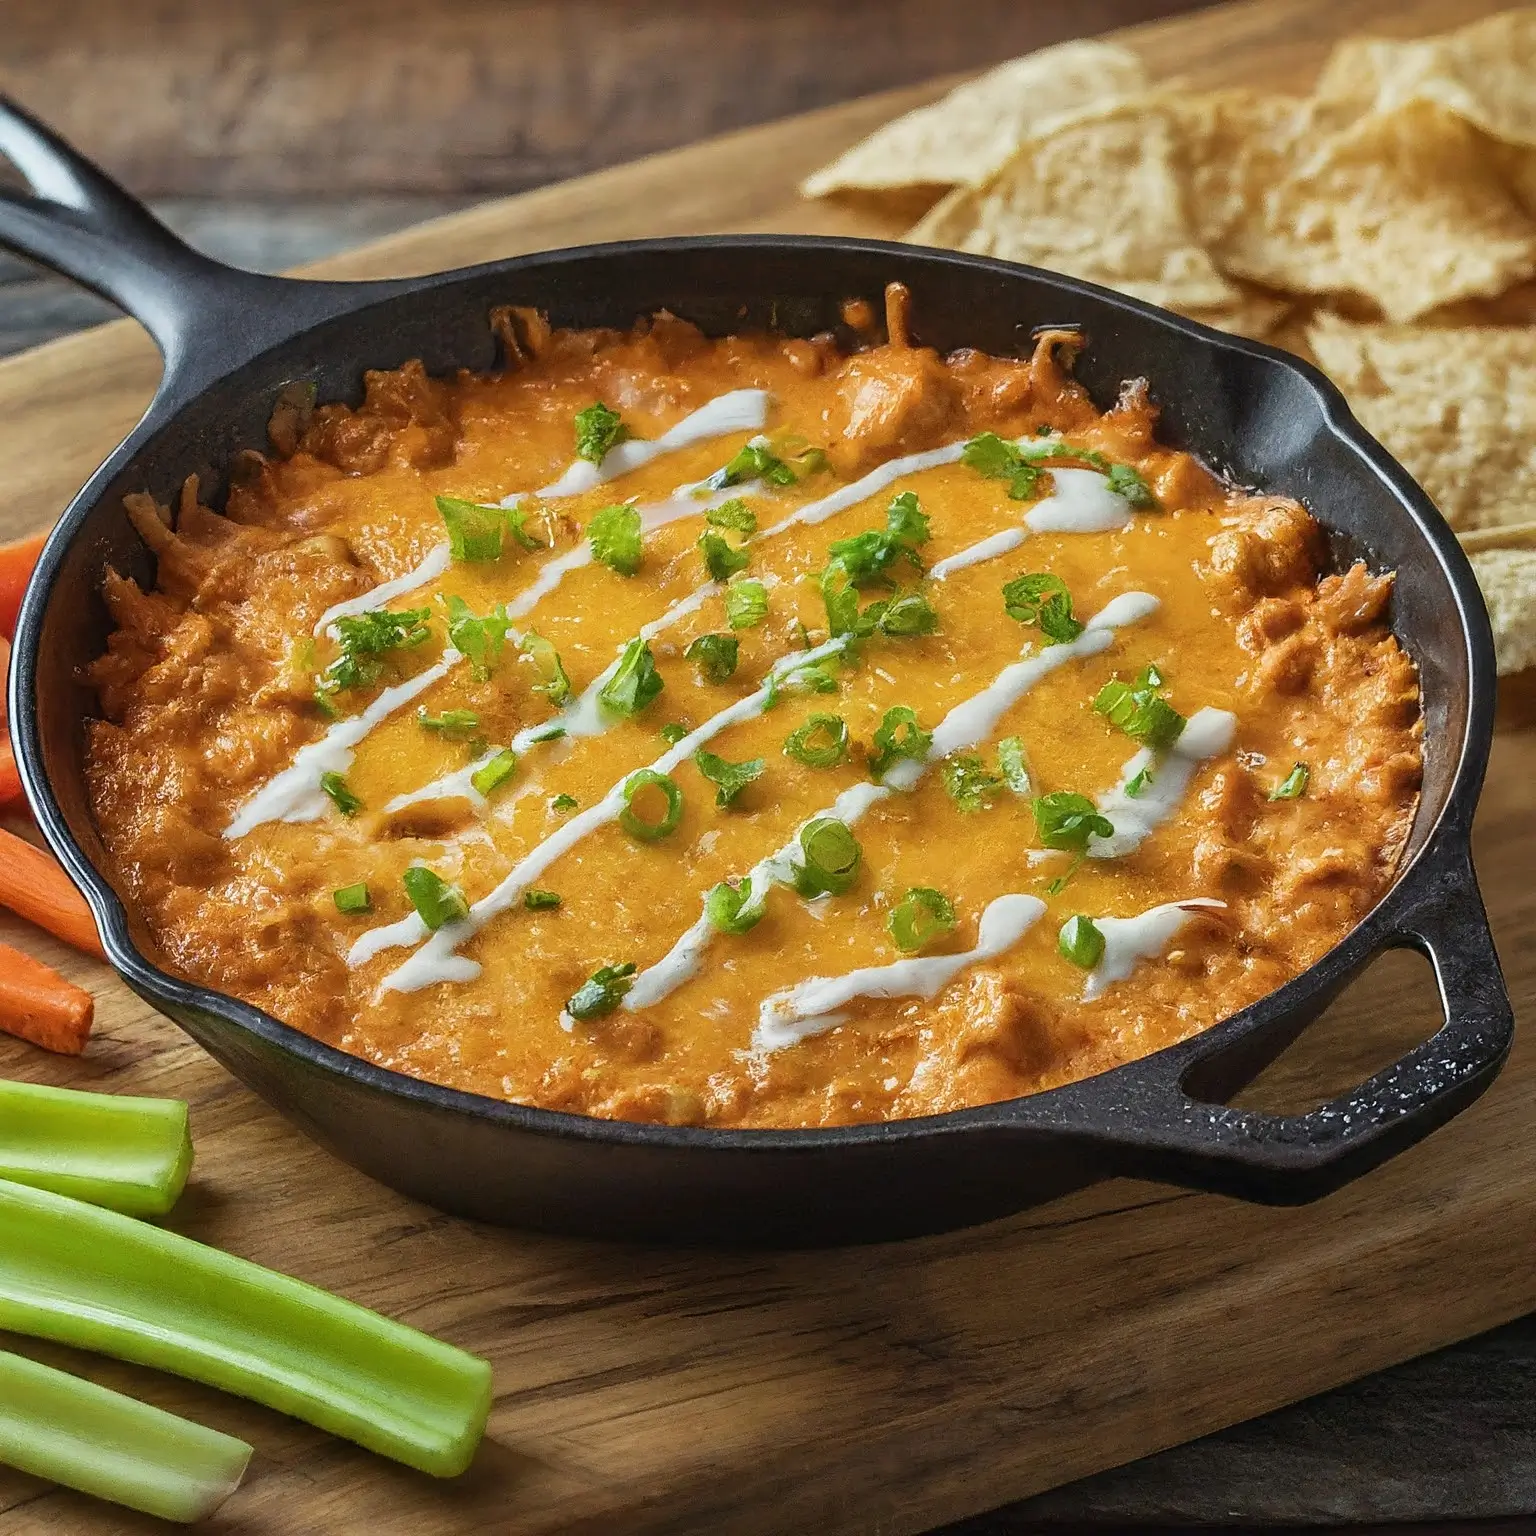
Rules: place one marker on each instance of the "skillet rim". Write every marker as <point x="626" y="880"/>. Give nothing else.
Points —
<point x="1066" y="1110"/>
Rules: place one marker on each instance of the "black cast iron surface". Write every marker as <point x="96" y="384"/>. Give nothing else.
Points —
<point x="232" y="339"/>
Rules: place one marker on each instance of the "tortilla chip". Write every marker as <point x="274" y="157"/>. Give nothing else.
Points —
<point x="1508" y="580"/>
<point x="975" y="129"/>
<point x="1481" y="73"/>
<point x="1097" y="197"/>
<point x="1405" y="208"/>
<point x="1455" y="405"/>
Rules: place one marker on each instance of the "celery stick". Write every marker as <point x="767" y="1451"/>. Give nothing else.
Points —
<point x="131" y="1155"/>
<point x="87" y="1437"/>
<point x="98" y="1280"/>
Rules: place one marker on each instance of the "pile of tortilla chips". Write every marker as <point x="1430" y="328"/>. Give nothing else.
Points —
<point x="1384" y="226"/>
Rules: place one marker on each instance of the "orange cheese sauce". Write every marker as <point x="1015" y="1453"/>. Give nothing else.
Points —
<point x="207" y="693"/>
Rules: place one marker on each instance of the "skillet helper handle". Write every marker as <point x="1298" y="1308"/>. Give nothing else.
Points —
<point x="1287" y="1159"/>
<point x="79" y="222"/>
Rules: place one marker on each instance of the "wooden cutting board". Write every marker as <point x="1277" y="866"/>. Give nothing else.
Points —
<point x="885" y="1389"/>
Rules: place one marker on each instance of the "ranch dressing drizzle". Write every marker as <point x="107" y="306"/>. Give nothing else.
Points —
<point x="1081" y="502"/>
<point x="742" y="410"/>
<point x="295" y="793"/>
<point x="1208" y="733"/>
<point x="811" y="1008"/>
<point x="967" y="725"/>
<point x="436" y="960"/>
<point x="1128" y="940"/>
<point x="583" y="716"/>
<point x="862" y="489"/>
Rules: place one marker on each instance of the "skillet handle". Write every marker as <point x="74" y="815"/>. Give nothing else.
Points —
<point x="205" y="317"/>
<point x="1287" y="1159"/>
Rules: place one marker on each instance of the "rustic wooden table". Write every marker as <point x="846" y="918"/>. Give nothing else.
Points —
<point x="237" y="114"/>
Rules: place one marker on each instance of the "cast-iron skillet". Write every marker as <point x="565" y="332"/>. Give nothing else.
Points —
<point x="231" y="340"/>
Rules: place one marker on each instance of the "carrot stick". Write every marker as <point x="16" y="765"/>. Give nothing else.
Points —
<point x="34" y="886"/>
<point x="16" y="562"/>
<point x="10" y="779"/>
<point x="39" y="1005"/>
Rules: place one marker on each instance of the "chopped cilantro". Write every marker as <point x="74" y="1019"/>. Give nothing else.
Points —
<point x="334" y="787"/>
<point x="673" y="732"/>
<point x="1066" y="821"/>
<point x="721" y="559"/>
<point x="597" y="430"/>
<point x="474" y="529"/>
<point x="734" y="514"/>
<point x="614" y="534"/>
<point x="729" y="779"/>
<point x="969" y="783"/>
<point x="478" y="637"/>
<point x="634" y="684"/>
<point x="1042" y="599"/>
<point x="364" y="639"/>
<point x="1138" y="710"/>
<point x="1013" y="764"/>
<point x="756" y="461"/>
<point x="746" y="603"/>
<point x="714" y="655"/>
<point x="601" y="993"/>
<point x="553" y="683"/>
<point x="561" y="804"/>
<point x="541" y="901"/>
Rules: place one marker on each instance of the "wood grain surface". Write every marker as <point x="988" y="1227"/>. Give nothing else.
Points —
<point x="885" y="1389"/>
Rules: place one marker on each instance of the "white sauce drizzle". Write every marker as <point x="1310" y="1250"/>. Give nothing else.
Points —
<point x="437" y="959"/>
<point x="1129" y="940"/>
<point x="811" y="1008"/>
<point x="741" y="410"/>
<point x="435" y="564"/>
<point x="967" y="725"/>
<point x="295" y="793"/>
<point x="1206" y="734"/>
<point x="1081" y="502"/>
<point x="872" y="484"/>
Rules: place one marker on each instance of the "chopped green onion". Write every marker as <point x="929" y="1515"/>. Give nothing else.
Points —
<point x="831" y="856"/>
<point x="478" y="637"/>
<point x="128" y="1154"/>
<point x="334" y="787"/>
<point x="721" y="559"/>
<point x="1081" y="942"/>
<point x="490" y="776"/>
<point x="561" y="804"/>
<point x="969" y="783"/>
<point x="541" y="901"/>
<point x="452" y="722"/>
<point x="672" y="733"/>
<point x="553" y="682"/>
<point x="756" y="461"/>
<point x="1066" y="821"/>
<point x="474" y="529"/>
<point x="601" y="993"/>
<point x="597" y="430"/>
<point x="101" y="1281"/>
<point x="436" y="902"/>
<point x="633" y="823"/>
<point x="87" y="1437"/>
<point x="806" y="677"/>
<point x="634" y="684"/>
<point x="1013" y="764"/>
<point x="729" y="779"/>
<point x="1125" y="481"/>
<point x="517" y="526"/>
<point x="549" y="733"/>
<point x="734" y="514"/>
<point x="714" y="655"/>
<point x="1138" y="710"/>
<point x="746" y="603"/>
<point x="363" y="639"/>
<point x="1063" y="880"/>
<point x="614" y="534"/>
<point x="898" y="736"/>
<point x="1295" y="785"/>
<point x="729" y="907"/>
<point x="353" y="899"/>
<point x="1136" y="786"/>
<point x="821" y="742"/>
<point x="1042" y="599"/>
<point x="920" y="917"/>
